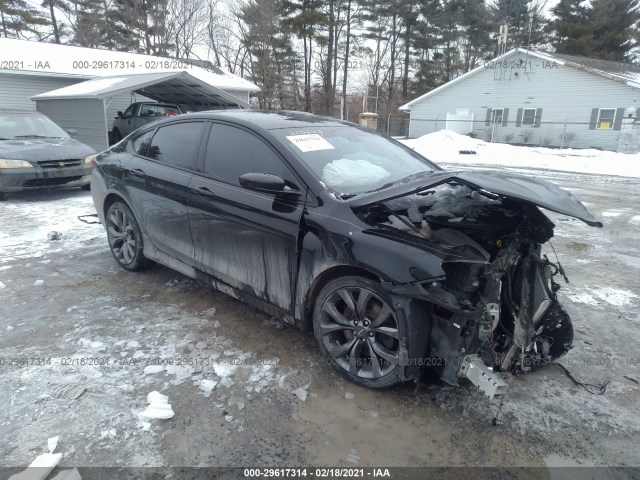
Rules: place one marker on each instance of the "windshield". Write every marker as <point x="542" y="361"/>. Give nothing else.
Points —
<point x="351" y="160"/>
<point x="29" y="125"/>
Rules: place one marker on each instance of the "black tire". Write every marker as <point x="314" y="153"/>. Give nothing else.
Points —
<point x="1" y="195"/>
<point x="357" y="330"/>
<point x="116" y="136"/>
<point x="125" y="237"/>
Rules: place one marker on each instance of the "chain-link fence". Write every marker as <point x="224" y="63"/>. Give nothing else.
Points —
<point x="558" y="134"/>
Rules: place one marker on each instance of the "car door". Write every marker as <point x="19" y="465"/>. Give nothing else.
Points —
<point x="126" y="124"/>
<point x="157" y="180"/>
<point x="246" y="239"/>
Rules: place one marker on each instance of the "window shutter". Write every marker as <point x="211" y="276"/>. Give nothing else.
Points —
<point x="617" y="123"/>
<point x="505" y="117"/>
<point x="519" y="117"/>
<point x="594" y="119"/>
<point x="488" y="121"/>
<point x="536" y="122"/>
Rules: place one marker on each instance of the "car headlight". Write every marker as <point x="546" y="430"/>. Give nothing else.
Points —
<point x="6" y="163"/>
<point x="90" y="160"/>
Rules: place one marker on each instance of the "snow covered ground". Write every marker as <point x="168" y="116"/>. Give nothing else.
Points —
<point x="232" y="375"/>
<point x="445" y="146"/>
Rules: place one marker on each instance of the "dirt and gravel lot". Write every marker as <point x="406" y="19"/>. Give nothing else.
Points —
<point x="83" y="342"/>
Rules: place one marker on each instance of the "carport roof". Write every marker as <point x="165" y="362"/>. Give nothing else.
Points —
<point x="66" y="61"/>
<point x="174" y="87"/>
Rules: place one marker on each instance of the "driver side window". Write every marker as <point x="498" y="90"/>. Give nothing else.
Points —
<point x="128" y="112"/>
<point x="232" y="152"/>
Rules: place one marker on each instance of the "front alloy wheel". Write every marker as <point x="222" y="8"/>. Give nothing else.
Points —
<point x="125" y="237"/>
<point x="358" y="332"/>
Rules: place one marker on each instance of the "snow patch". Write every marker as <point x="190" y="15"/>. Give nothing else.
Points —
<point x="159" y="407"/>
<point x="584" y="298"/>
<point x="301" y="392"/>
<point x="224" y="369"/>
<point x="207" y="385"/>
<point x="151" y="369"/>
<point x="444" y="146"/>
<point x="616" y="297"/>
<point x="43" y="464"/>
<point x="52" y="443"/>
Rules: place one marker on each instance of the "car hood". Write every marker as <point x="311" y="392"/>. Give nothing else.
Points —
<point x="37" y="149"/>
<point x="538" y="192"/>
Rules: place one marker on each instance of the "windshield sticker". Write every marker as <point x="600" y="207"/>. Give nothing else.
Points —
<point x="310" y="143"/>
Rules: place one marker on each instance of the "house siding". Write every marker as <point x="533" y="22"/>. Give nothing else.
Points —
<point x="85" y="116"/>
<point x="239" y="94"/>
<point x="564" y="98"/>
<point x="15" y="89"/>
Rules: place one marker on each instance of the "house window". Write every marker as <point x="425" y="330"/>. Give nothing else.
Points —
<point x="496" y="116"/>
<point x="606" y="118"/>
<point x="529" y="116"/>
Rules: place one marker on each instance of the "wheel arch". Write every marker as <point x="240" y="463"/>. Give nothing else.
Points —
<point x="321" y="280"/>
<point x="110" y="199"/>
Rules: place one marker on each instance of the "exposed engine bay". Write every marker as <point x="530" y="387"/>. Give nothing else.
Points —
<point x="496" y="310"/>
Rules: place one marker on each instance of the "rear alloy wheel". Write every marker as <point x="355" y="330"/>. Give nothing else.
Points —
<point x="125" y="237"/>
<point x="357" y="331"/>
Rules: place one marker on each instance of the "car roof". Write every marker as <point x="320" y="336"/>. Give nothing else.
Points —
<point x="269" y="120"/>
<point x="18" y="110"/>
<point x="153" y="102"/>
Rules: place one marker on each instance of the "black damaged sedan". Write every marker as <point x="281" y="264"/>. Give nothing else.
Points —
<point x="392" y="262"/>
<point x="36" y="153"/>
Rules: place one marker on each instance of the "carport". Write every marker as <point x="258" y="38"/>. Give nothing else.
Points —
<point x="89" y="107"/>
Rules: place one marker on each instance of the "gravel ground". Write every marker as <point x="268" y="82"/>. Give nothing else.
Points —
<point x="83" y="342"/>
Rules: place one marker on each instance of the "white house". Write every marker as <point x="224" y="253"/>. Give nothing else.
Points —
<point x="537" y="98"/>
<point x="60" y="81"/>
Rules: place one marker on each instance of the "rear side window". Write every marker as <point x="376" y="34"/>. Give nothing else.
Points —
<point x="232" y="152"/>
<point x="141" y="143"/>
<point x="158" y="110"/>
<point x="177" y="144"/>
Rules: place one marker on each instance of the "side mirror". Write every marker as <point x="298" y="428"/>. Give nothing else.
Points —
<point x="72" y="131"/>
<point x="267" y="183"/>
<point x="120" y="115"/>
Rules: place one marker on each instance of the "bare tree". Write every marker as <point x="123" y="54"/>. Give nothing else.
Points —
<point x="225" y="33"/>
<point x="186" y="26"/>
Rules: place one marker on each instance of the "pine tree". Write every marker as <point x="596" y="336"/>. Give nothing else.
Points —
<point x="270" y="52"/>
<point x="50" y="5"/>
<point x="19" y="19"/>
<point x="518" y="15"/>
<point x="139" y="26"/>
<point x="612" y="23"/>
<point x="476" y="41"/>
<point x="607" y="29"/>
<point x="91" y="23"/>
<point x="569" y="29"/>
<point x="303" y="18"/>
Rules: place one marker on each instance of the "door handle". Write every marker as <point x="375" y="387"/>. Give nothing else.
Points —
<point x="204" y="191"/>
<point x="137" y="172"/>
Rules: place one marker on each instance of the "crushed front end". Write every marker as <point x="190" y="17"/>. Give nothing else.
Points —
<point x="496" y="311"/>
